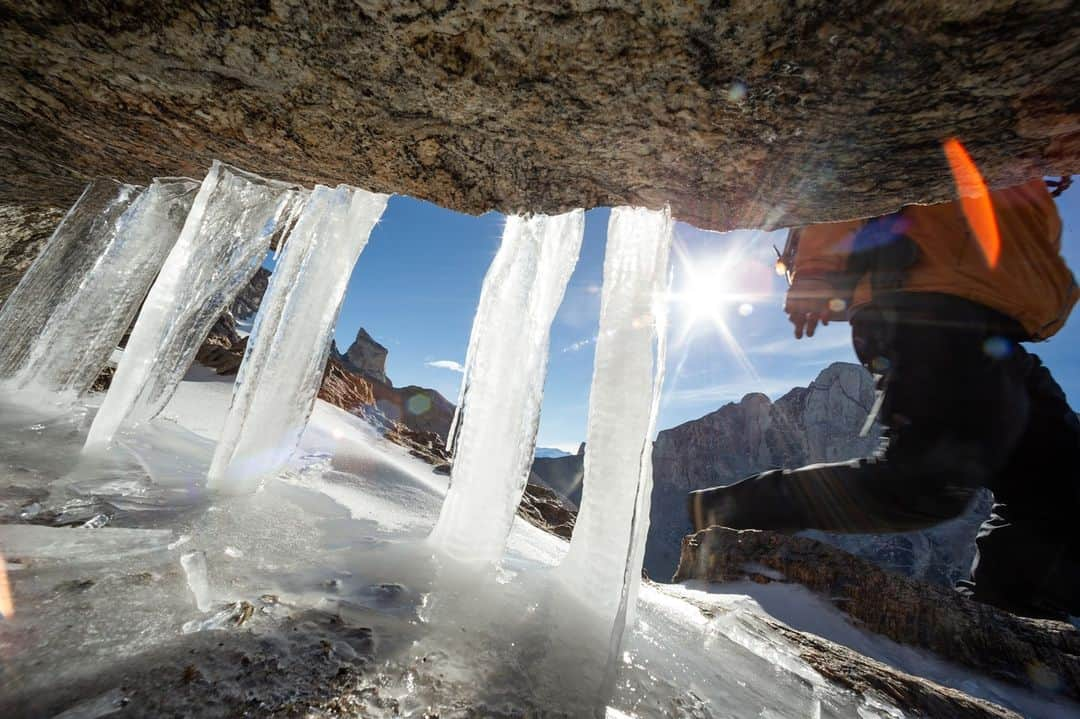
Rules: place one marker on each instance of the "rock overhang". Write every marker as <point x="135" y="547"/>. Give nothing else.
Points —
<point x="738" y="114"/>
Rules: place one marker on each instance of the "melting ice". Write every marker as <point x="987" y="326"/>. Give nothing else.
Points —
<point x="603" y="566"/>
<point x="290" y="341"/>
<point x="57" y="276"/>
<point x="324" y="575"/>
<point x="83" y="329"/>
<point x="225" y="238"/>
<point x="494" y="432"/>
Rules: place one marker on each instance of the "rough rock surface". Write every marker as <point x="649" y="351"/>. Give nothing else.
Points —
<point x="23" y="230"/>
<point x="819" y="423"/>
<point x="367" y="357"/>
<point x="542" y="507"/>
<point x="1036" y="653"/>
<point x="419" y="408"/>
<point x="344" y="389"/>
<point x="739" y="114"/>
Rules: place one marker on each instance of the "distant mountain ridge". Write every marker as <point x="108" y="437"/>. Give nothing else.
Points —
<point x="550" y="453"/>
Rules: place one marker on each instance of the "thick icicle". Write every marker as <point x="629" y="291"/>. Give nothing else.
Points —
<point x="225" y="238"/>
<point x="86" y="326"/>
<point x="499" y="408"/>
<point x="55" y="276"/>
<point x="603" y="565"/>
<point x="286" y="354"/>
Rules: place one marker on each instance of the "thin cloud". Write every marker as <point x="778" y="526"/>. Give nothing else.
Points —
<point x="446" y="364"/>
<point x="811" y="345"/>
<point x="734" y="391"/>
<point x="579" y="345"/>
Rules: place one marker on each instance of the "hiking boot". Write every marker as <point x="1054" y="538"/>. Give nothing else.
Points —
<point x="710" y="507"/>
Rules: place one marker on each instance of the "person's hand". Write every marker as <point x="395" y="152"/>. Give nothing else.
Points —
<point x="808" y="304"/>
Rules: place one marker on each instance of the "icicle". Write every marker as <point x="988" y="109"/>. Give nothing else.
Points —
<point x="59" y="270"/>
<point x="85" y="327"/>
<point x="286" y="353"/>
<point x="603" y="566"/>
<point x="499" y="408"/>
<point x="225" y="237"/>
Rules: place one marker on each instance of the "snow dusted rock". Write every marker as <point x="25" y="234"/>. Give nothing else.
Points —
<point x="740" y="114"/>
<point x="1040" y="654"/>
<point x="819" y="423"/>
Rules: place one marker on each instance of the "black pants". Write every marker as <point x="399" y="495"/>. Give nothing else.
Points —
<point x="965" y="406"/>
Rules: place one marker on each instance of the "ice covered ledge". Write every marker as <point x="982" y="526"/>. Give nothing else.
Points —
<point x="741" y="114"/>
<point x="905" y="610"/>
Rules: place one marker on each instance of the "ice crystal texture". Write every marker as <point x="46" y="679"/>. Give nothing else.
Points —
<point x="57" y="275"/>
<point x="494" y="432"/>
<point x="224" y="240"/>
<point x="286" y="353"/>
<point x="603" y="566"/>
<point x="85" y="327"/>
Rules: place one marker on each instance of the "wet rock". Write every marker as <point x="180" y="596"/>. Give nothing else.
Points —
<point x="741" y="114"/>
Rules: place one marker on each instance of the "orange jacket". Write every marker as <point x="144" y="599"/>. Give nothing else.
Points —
<point x="1029" y="283"/>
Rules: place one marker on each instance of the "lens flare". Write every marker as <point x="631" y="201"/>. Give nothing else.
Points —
<point x="7" y="604"/>
<point x="975" y="200"/>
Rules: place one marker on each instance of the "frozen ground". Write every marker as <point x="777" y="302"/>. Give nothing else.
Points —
<point x="138" y="593"/>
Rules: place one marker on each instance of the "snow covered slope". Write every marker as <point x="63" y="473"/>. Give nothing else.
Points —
<point x="136" y="591"/>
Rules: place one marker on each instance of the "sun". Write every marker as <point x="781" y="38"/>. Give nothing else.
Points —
<point x="713" y="288"/>
<point x="707" y="292"/>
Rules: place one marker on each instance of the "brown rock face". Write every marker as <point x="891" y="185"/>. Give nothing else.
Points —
<point x="342" y="388"/>
<point x="1038" y="653"/>
<point x="23" y="230"/>
<point x="740" y="114"/>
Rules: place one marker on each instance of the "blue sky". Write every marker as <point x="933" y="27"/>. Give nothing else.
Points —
<point x="416" y="286"/>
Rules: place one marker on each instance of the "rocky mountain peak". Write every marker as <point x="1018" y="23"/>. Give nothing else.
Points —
<point x="367" y="357"/>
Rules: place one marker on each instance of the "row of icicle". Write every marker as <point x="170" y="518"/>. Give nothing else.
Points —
<point x="175" y="255"/>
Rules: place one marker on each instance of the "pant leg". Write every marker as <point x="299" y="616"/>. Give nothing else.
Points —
<point x="1028" y="552"/>
<point x="1025" y="566"/>
<point x="955" y="412"/>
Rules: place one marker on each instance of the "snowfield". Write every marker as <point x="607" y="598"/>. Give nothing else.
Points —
<point x="138" y="592"/>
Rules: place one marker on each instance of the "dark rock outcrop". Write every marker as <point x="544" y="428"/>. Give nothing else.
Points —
<point x="418" y="408"/>
<point x="1036" y="653"/>
<point x="740" y="114"/>
<point x="343" y="388"/>
<point x="864" y="676"/>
